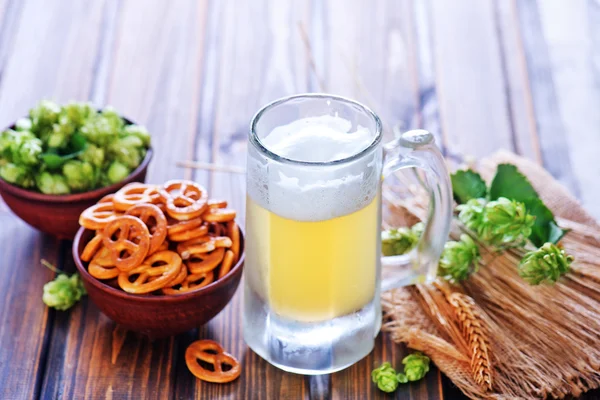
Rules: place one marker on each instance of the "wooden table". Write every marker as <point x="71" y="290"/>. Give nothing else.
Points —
<point x="480" y="74"/>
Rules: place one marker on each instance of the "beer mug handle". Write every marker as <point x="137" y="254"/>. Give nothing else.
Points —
<point x="416" y="149"/>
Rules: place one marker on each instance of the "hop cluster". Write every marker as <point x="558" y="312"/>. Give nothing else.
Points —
<point x="459" y="259"/>
<point x="385" y="377"/>
<point x="501" y="223"/>
<point x="416" y="365"/>
<point x="73" y="148"/>
<point x="63" y="292"/>
<point x="548" y="263"/>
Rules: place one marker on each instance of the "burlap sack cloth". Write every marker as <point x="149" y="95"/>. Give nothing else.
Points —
<point x="495" y="336"/>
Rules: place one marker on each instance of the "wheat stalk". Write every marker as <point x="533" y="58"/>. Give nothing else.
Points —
<point x="475" y="333"/>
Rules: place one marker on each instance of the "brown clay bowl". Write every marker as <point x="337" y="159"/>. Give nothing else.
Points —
<point x="158" y="315"/>
<point x="59" y="215"/>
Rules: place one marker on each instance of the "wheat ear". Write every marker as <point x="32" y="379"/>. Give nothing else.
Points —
<point x="474" y="331"/>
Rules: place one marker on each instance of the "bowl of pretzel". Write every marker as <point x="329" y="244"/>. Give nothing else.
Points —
<point x="160" y="259"/>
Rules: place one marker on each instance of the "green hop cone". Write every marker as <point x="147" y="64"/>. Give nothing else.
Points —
<point x="49" y="183"/>
<point x="548" y="263"/>
<point x="459" y="259"/>
<point x="138" y="131"/>
<point x="80" y="175"/>
<point x="117" y="172"/>
<point x="416" y="365"/>
<point x="418" y="229"/>
<point x="77" y="113"/>
<point x="471" y="214"/>
<point x="400" y="241"/>
<point x="100" y="130"/>
<point x="127" y="150"/>
<point x="23" y="124"/>
<point x="17" y="175"/>
<point x="506" y="223"/>
<point x="385" y="377"/>
<point x="397" y="241"/>
<point x="11" y="142"/>
<point x="28" y="151"/>
<point x="61" y="133"/>
<point x="113" y="119"/>
<point x="501" y="223"/>
<point x="63" y="292"/>
<point x="44" y="115"/>
<point x="93" y="155"/>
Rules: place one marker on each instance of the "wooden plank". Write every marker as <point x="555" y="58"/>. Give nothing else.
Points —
<point x="246" y="65"/>
<point x="36" y="57"/>
<point x="24" y="319"/>
<point x="427" y="103"/>
<point x="153" y="77"/>
<point x="519" y="99"/>
<point x="572" y="38"/>
<point x="10" y="17"/>
<point x="554" y="144"/>
<point x="52" y="56"/>
<point x="469" y="78"/>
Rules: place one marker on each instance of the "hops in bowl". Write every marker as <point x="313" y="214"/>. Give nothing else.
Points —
<point x="72" y="148"/>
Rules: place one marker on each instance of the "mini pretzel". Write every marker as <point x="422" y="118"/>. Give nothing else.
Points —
<point x="91" y="248"/>
<point x="178" y="280"/>
<point x="127" y="228"/>
<point x="164" y="246"/>
<point x="154" y="193"/>
<point x="170" y="265"/>
<point x="216" y="229"/>
<point x="212" y="203"/>
<point x="219" y="215"/>
<point x="199" y="245"/>
<point x="226" y="264"/>
<point x="185" y="200"/>
<point x="233" y="231"/>
<point x="107" y="199"/>
<point x="174" y="226"/>
<point x="158" y="229"/>
<point x="205" y="262"/>
<point x="101" y="266"/>
<point x="204" y="350"/>
<point x="202" y="245"/>
<point x="132" y="194"/>
<point x="179" y="233"/>
<point x="191" y="282"/>
<point x="97" y="216"/>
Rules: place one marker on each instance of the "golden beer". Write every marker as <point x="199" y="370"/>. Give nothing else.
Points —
<point x="313" y="270"/>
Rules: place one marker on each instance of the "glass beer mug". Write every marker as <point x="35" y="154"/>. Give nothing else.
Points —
<point x="313" y="271"/>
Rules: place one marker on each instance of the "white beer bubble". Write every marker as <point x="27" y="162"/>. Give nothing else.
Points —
<point x="315" y="192"/>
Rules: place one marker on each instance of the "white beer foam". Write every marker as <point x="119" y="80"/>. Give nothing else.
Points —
<point x="315" y="193"/>
<point x="317" y="139"/>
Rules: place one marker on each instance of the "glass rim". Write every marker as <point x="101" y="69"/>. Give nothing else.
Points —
<point x="255" y="140"/>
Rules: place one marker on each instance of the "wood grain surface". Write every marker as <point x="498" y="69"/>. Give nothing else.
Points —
<point x="480" y="74"/>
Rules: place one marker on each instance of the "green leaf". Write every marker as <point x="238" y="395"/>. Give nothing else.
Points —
<point x="512" y="184"/>
<point x="77" y="143"/>
<point x="544" y="228"/>
<point x="466" y="185"/>
<point x="53" y="160"/>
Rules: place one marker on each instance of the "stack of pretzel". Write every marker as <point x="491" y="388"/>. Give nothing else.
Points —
<point x="168" y="239"/>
